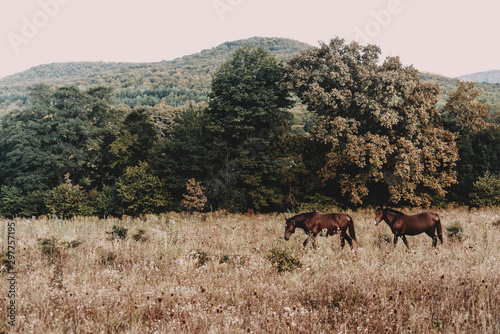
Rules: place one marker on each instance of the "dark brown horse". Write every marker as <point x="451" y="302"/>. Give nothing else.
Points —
<point x="313" y="223"/>
<point x="401" y="224"/>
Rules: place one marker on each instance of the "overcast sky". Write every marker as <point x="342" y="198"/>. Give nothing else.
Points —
<point x="448" y="37"/>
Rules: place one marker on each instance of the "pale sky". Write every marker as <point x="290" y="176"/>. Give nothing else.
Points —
<point x="448" y="37"/>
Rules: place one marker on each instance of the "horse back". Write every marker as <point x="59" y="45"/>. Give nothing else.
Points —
<point x="330" y="221"/>
<point x="421" y="222"/>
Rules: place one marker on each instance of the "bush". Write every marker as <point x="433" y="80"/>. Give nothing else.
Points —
<point x="53" y="248"/>
<point x="68" y="200"/>
<point x="455" y="232"/>
<point x="382" y="239"/>
<point x="194" y="198"/>
<point x="118" y="232"/>
<point x="13" y="202"/>
<point x="140" y="235"/>
<point x="108" y="203"/>
<point x="282" y="260"/>
<point x="486" y="191"/>
<point x="318" y="202"/>
<point x="140" y="192"/>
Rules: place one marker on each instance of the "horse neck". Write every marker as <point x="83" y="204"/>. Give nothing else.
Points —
<point x="302" y="223"/>
<point x="389" y="217"/>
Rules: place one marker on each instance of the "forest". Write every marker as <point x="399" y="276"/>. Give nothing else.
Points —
<point x="263" y="126"/>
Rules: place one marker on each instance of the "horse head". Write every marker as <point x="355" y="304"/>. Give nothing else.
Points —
<point x="379" y="215"/>
<point x="289" y="228"/>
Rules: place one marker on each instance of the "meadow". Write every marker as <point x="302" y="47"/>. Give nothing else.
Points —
<point x="234" y="273"/>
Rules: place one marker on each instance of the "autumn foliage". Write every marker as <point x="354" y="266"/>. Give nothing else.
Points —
<point x="380" y="123"/>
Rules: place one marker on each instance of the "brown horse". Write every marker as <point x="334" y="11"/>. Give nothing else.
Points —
<point x="401" y="224"/>
<point x="314" y="223"/>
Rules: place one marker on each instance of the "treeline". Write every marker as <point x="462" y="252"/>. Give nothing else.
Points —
<point x="331" y="127"/>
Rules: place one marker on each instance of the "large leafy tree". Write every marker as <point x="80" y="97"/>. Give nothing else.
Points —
<point x="464" y="111"/>
<point x="133" y="143"/>
<point x="380" y="122"/>
<point x="186" y="152"/>
<point x="60" y="132"/>
<point x="478" y="140"/>
<point x="246" y="114"/>
<point x="248" y="98"/>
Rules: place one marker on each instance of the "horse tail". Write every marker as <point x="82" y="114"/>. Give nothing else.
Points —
<point x="439" y="229"/>
<point x="351" y="228"/>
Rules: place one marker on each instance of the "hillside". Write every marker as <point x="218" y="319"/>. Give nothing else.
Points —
<point x="490" y="93"/>
<point x="176" y="81"/>
<point x="488" y="77"/>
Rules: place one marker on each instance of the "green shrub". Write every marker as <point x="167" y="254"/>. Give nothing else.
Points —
<point x="455" y="232"/>
<point x="118" y="232"/>
<point x="13" y="202"/>
<point x="53" y="248"/>
<point x="34" y="204"/>
<point x="283" y="260"/>
<point x="486" y="191"/>
<point x="140" y="235"/>
<point x="382" y="239"/>
<point x="233" y="259"/>
<point x="68" y="200"/>
<point x="108" y="202"/>
<point x="140" y="192"/>
<point x="318" y="202"/>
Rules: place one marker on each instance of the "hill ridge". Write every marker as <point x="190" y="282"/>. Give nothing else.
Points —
<point x="491" y="76"/>
<point x="173" y="82"/>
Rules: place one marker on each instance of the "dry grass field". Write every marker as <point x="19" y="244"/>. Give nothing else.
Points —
<point x="223" y="273"/>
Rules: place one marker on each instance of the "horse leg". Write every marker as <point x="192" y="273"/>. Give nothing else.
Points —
<point x="305" y="244"/>
<point x="349" y="240"/>
<point x="395" y="240"/>
<point x="314" y="242"/>
<point x="345" y="236"/>
<point x="405" y="241"/>
<point x="434" y="237"/>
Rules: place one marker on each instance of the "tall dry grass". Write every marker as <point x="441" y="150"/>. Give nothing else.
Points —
<point x="213" y="273"/>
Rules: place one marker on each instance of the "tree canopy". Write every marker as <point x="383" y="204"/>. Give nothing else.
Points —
<point x="333" y="126"/>
<point x="380" y="122"/>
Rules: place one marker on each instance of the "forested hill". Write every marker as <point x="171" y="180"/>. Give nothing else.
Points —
<point x="173" y="82"/>
<point x="488" y="77"/>
<point x="489" y="92"/>
<point x="177" y="81"/>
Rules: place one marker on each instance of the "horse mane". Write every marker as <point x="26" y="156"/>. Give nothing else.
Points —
<point x="394" y="211"/>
